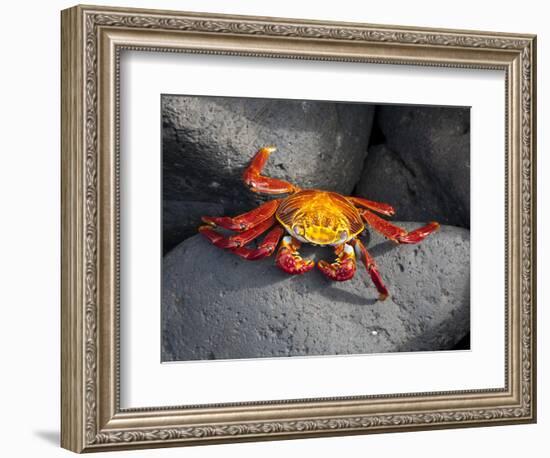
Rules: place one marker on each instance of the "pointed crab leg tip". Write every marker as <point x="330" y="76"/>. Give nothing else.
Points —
<point x="270" y="149"/>
<point x="208" y="221"/>
<point x="209" y="233"/>
<point x="383" y="296"/>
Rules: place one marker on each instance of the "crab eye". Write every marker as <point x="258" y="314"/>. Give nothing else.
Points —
<point x="298" y="230"/>
<point x="343" y="236"/>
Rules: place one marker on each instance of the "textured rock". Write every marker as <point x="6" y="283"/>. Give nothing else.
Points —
<point x="182" y="219"/>
<point x="217" y="306"/>
<point x="208" y="142"/>
<point x="386" y="178"/>
<point x="423" y="168"/>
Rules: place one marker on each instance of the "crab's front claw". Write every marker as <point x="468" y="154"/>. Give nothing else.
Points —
<point x="259" y="183"/>
<point x="343" y="268"/>
<point x="289" y="260"/>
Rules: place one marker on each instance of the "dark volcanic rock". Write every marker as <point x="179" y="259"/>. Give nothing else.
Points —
<point x="182" y="219"/>
<point x="386" y="178"/>
<point x="423" y="169"/>
<point x="208" y="142"/>
<point x="218" y="306"/>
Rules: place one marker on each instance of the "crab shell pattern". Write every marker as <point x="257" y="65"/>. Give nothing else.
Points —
<point x="308" y="216"/>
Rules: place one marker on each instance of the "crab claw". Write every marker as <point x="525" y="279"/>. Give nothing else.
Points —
<point x="343" y="268"/>
<point x="289" y="260"/>
<point x="259" y="183"/>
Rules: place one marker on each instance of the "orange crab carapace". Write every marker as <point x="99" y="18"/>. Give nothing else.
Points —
<point x="308" y="216"/>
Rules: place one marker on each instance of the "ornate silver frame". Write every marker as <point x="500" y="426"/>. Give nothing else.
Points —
<point x="92" y="38"/>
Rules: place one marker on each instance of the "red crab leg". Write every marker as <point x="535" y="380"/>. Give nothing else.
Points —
<point x="238" y="240"/>
<point x="246" y="220"/>
<point x="385" y="209"/>
<point x="372" y="268"/>
<point x="288" y="258"/>
<point x="395" y="233"/>
<point x="265" y="249"/>
<point x="261" y="184"/>
<point x="343" y="268"/>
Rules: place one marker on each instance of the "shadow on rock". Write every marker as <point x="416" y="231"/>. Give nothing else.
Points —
<point x="383" y="248"/>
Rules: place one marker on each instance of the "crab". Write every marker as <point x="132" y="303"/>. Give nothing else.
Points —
<point x="312" y="216"/>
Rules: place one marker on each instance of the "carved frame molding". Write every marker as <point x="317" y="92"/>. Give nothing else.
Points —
<point x="92" y="39"/>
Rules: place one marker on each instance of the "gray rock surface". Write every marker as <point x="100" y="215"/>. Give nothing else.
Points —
<point x="209" y="141"/>
<point x="218" y="306"/>
<point x="423" y="167"/>
<point x="387" y="179"/>
<point x="182" y="219"/>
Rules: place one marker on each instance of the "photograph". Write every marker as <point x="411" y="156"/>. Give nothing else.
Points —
<point x="310" y="228"/>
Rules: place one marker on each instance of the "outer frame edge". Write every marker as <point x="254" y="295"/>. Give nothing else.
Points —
<point x="72" y="319"/>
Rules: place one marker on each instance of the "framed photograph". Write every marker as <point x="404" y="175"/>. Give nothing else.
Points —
<point x="277" y="228"/>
